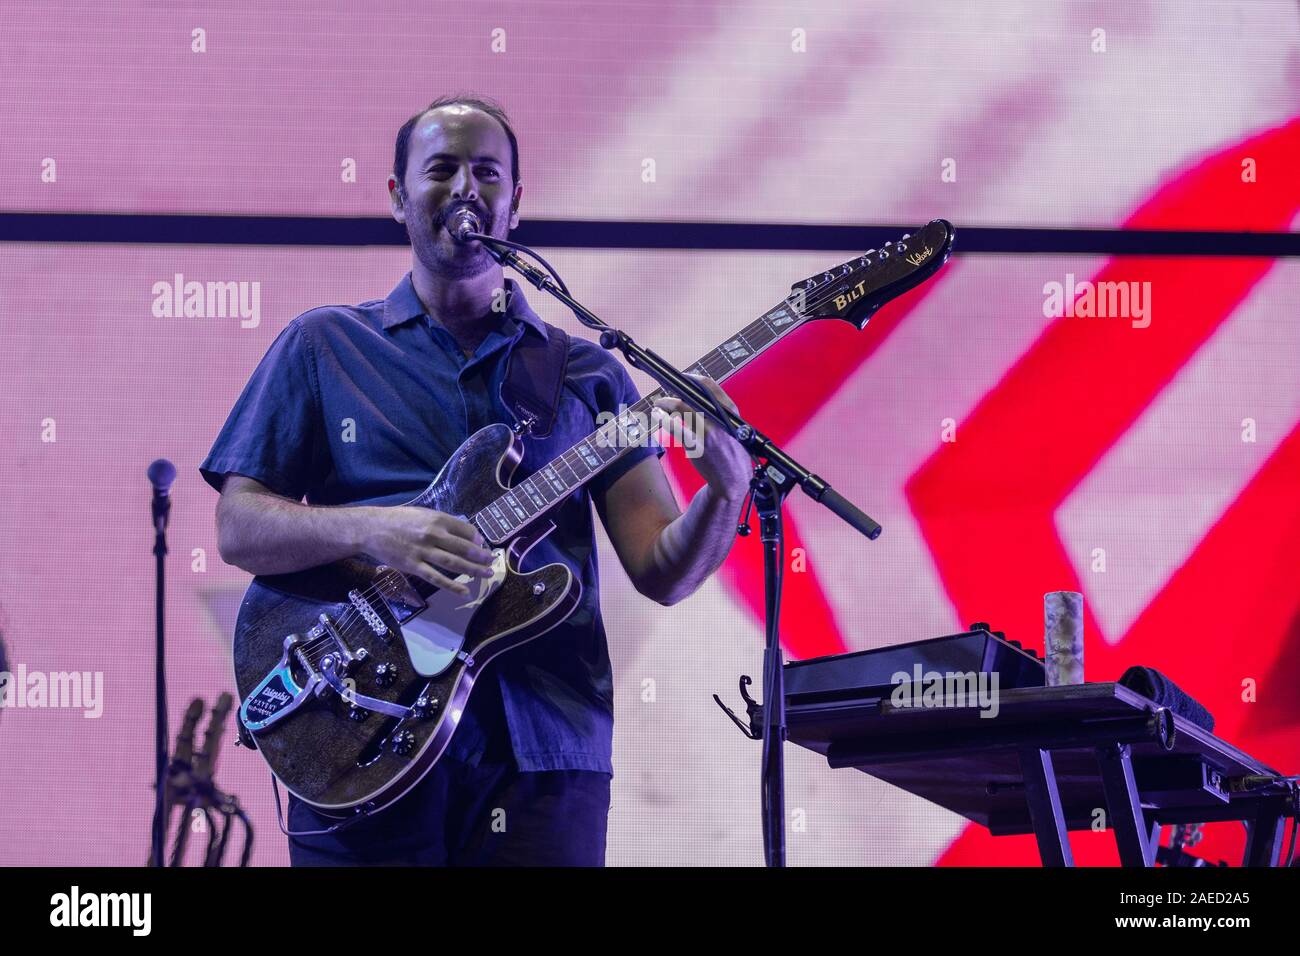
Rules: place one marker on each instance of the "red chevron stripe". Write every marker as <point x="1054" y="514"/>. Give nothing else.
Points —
<point x="1064" y="404"/>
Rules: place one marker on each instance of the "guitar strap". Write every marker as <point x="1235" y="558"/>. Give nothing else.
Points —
<point x="534" y="376"/>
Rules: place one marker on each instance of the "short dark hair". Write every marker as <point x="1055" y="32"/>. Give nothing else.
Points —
<point x="480" y="103"/>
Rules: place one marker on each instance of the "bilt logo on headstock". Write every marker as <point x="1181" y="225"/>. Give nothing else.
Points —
<point x="851" y="296"/>
<point x="918" y="257"/>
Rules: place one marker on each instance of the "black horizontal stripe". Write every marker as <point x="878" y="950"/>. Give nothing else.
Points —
<point x="608" y="234"/>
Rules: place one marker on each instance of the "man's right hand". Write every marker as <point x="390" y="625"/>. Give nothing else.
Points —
<point x="427" y="544"/>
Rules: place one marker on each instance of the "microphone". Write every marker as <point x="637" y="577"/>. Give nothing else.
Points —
<point x="463" y="222"/>
<point x="161" y="475"/>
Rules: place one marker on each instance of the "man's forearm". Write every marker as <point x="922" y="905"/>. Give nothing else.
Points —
<point x="267" y="534"/>
<point x="692" y="547"/>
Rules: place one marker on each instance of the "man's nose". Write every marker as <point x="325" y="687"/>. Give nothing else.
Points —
<point x="464" y="187"/>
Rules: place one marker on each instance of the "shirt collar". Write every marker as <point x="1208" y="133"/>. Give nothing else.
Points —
<point x="403" y="304"/>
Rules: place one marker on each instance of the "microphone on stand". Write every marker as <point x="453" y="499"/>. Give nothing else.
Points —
<point x="463" y="222"/>
<point x="161" y="475"/>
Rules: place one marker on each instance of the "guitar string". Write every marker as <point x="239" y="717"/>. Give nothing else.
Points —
<point x="345" y="626"/>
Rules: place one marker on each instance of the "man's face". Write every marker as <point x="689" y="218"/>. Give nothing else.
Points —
<point x="459" y="158"/>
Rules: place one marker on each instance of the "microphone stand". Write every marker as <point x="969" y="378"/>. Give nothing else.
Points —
<point x="160" y="705"/>
<point x="161" y="475"/>
<point x="775" y="474"/>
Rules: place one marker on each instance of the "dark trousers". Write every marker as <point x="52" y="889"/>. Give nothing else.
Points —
<point x="458" y="815"/>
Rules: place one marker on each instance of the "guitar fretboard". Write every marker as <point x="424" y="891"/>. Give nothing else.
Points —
<point x="560" y="477"/>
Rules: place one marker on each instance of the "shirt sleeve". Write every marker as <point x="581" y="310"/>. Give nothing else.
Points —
<point x="274" y="434"/>
<point x="622" y="393"/>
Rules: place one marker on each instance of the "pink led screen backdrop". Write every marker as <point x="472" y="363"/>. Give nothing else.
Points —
<point x="1150" y="460"/>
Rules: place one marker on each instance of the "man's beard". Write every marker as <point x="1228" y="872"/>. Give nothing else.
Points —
<point x="445" y="257"/>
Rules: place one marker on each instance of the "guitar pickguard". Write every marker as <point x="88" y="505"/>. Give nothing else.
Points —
<point x="436" y="635"/>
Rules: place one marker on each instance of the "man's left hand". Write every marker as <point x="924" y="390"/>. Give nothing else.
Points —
<point x="721" y="460"/>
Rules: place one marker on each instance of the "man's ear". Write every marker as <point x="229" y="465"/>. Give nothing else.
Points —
<point x="395" y="200"/>
<point x="514" y="206"/>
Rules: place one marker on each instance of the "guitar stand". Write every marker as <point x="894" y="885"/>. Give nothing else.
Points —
<point x="213" y="803"/>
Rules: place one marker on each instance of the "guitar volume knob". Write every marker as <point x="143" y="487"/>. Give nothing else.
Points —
<point x="403" y="742"/>
<point x="386" y="675"/>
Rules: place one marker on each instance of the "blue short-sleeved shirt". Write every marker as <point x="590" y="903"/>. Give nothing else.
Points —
<point x="363" y="404"/>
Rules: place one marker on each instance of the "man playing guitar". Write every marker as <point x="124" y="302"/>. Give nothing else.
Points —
<point x="355" y="408"/>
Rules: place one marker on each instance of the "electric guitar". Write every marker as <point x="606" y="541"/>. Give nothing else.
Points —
<point x="353" y="676"/>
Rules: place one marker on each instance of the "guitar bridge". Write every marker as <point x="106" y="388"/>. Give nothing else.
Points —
<point x="368" y="613"/>
<point x="279" y="694"/>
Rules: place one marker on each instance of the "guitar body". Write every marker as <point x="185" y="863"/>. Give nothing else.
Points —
<point x="427" y="645"/>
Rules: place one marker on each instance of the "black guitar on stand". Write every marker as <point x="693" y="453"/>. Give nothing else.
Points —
<point x="353" y="676"/>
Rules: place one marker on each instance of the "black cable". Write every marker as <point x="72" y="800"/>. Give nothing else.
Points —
<point x="549" y="268"/>
<point x="279" y="818"/>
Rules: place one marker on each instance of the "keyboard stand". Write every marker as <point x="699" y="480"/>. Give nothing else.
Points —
<point x="1054" y="759"/>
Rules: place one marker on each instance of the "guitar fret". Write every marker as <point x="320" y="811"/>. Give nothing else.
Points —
<point x="589" y="457"/>
<point x="781" y="324"/>
<point x="564" y="460"/>
<point x="558" y="486"/>
<point x="630" y="430"/>
<point x="581" y="470"/>
<point x="513" y="504"/>
<point x="738" y="350"/>
<point x="500" y="517"/>
<point x="487" y="516"/>
<point x="533" y="494"/>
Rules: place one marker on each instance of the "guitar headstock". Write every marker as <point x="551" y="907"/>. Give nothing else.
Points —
<point x="854" y="290"/>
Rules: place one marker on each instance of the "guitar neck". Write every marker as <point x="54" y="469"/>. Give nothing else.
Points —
<point x="556" y="480"/>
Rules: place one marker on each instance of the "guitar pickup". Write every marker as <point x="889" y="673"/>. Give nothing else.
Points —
<point x="368" y="613"/>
